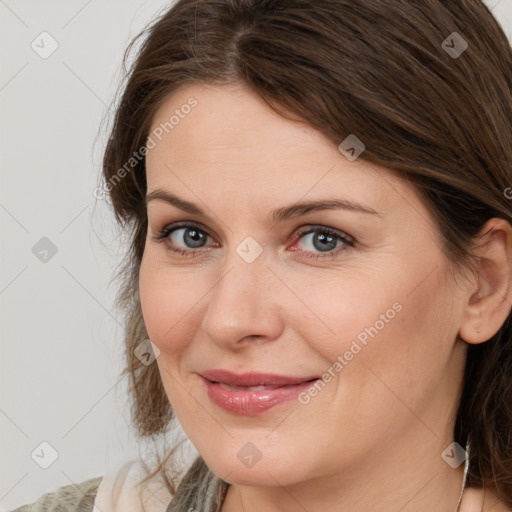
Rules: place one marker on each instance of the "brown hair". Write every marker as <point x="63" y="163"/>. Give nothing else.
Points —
<point x="374" y="68"/>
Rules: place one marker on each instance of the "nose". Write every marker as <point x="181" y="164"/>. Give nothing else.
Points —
<point x="243" y="305"/>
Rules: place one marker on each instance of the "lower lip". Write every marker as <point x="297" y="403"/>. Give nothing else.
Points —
<point x="252" y="403"/>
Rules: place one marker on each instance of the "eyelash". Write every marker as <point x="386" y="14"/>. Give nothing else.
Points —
<point x="162" y="235"/>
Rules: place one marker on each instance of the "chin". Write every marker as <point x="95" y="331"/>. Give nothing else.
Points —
<point x="265" y="473"/>
<point x="257" y="477"/>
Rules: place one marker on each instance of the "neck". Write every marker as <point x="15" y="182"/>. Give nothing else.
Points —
<point x="405" y="478"/>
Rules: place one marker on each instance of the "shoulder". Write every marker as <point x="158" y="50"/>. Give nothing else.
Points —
<point x="492" y="502"/>
<point x="483" y="500"/>
<point x="72" y="498"/>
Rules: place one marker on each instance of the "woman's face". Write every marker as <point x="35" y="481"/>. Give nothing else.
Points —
<point x="361" y="300"/>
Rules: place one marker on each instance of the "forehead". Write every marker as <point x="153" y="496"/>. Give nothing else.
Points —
<point x="231" y="117"/>
<point x="227" y="138"/>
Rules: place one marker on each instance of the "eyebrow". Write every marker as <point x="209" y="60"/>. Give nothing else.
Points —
<point x="277" y="215"/>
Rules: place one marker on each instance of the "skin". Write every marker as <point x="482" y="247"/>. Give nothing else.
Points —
<point x="373" y="437"/>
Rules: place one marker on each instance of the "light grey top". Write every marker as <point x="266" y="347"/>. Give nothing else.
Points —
<point x="68" y="498"/>
<point x="199" y="490"/>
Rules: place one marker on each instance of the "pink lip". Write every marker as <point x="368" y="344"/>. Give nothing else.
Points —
<point x="279" y="389"/>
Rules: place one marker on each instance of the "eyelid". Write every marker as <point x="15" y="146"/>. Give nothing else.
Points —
<point x="311" y="228"/>
<point x="173" y="226"/>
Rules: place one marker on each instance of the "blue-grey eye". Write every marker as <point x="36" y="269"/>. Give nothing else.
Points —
<point x="323" y="240"/>
<point x="190" y="236"/>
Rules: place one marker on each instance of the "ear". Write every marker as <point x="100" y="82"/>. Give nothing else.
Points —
<point x="490" y="298"/>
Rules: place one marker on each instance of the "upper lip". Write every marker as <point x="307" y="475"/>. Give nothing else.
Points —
<point x="252" y="379"/>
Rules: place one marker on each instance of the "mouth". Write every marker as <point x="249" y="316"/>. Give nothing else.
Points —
<point x="252" y="394"/>
<point x="253" y="381"/>
<point x="251" y="388"/>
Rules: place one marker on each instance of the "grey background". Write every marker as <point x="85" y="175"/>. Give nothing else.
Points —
<point x="61" y="340"/>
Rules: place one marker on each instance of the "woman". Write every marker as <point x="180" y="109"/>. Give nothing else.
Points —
<point x="317" y="200"/>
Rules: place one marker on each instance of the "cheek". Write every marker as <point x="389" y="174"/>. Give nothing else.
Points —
<point x="382" y="324"/>
<point x="346" y="311"/>
<point x="169" y="303"/>
<point x="407" y="359"/>
<point x="387" y="368"/>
